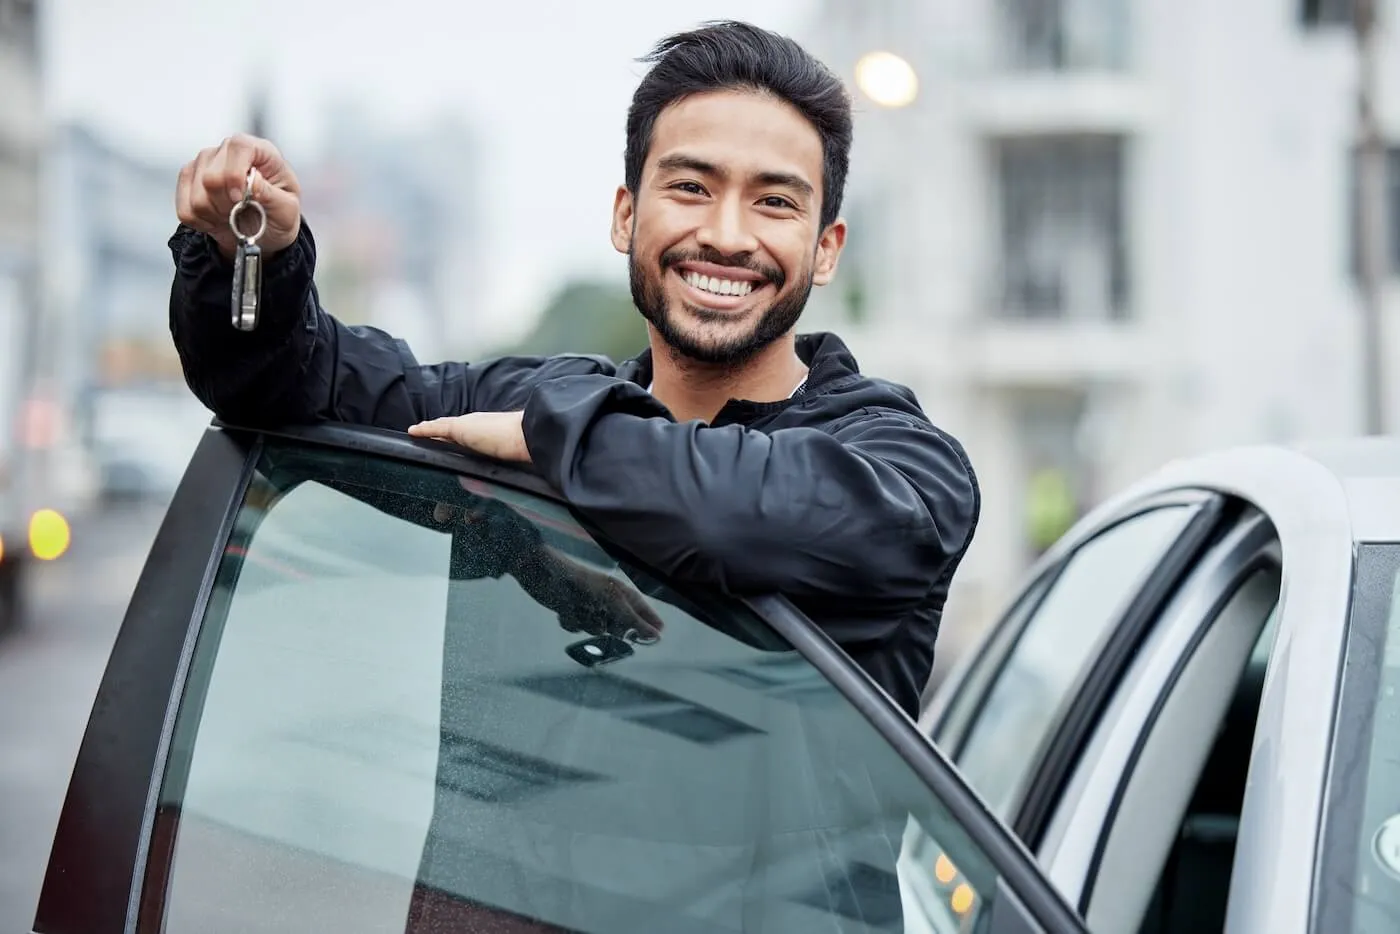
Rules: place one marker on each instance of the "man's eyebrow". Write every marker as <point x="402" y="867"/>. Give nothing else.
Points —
<point x="786" y="180"/>
<point x="679" y="162"/>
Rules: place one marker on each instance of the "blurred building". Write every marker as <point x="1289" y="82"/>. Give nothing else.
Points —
<point x="108" y="217"/>
<point x="1103" y="234"/>
<point x="20" y="141"/>
<point x="397" y="231"/>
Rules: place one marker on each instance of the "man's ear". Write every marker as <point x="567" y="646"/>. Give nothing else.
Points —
<point x="829" y="247"/>
<point x="623" y="204"/>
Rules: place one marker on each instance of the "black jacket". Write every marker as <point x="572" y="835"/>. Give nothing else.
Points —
<point x="844" y="498"/>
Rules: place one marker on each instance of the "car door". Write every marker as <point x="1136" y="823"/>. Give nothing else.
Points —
<point x="368" y="684"/>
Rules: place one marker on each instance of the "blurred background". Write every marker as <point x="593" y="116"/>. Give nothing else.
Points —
<point x="1092" y="235"/>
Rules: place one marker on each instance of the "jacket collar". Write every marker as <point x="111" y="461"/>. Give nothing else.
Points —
<point x="829" y="361"/>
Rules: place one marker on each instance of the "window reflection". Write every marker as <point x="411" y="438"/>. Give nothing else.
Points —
<point x="388" y="729"/>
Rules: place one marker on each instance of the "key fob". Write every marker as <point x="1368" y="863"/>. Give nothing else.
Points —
<point x="600" y="650"/>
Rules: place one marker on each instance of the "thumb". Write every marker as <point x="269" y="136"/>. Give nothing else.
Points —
<point x="270" y="195"/>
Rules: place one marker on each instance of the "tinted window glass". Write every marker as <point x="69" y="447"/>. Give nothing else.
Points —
<point x="1060" y="639"/>
<point x="396" y="721"/>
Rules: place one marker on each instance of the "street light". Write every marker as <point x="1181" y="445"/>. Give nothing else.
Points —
<point x="887" y="79"/>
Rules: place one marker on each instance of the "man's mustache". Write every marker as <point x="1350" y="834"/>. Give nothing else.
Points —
<point x="740" y="261"/>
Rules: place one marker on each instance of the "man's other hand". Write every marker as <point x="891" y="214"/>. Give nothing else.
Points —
<point x="212" y="183"/>
<point x="495" y="434"/>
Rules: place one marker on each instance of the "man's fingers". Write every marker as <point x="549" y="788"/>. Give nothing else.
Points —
<point x="222" y="177"/>
<point x="649" y="624"/>
<point x="444" y="513"/>
<point x="447" y="429"/>
<point x="183" y="211"/>
<point x="462" y="430"/>
<point x="217" y="175"/>
<point x="277" y="199"/>
<point x="215" y="181"/>
<point x="245" y="152"/>
<point x="204" y="199"/>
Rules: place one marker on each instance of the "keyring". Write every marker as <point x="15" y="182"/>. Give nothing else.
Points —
<point x="262" y="221"/>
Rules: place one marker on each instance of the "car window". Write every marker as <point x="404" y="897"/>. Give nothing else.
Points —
<point x="1027" y="697"/>
<point x="398" y="718"/>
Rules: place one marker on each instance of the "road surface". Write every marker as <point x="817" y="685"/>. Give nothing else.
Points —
<point x="48" y="678"/>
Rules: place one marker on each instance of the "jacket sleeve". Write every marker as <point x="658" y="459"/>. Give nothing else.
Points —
<point x="875" y="509"/>
<point x="301" y="365"/>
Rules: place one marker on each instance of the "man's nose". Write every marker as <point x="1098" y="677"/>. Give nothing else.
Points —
<point x="726" y="229"/>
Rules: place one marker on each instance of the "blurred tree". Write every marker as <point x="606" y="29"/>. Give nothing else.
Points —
<point x="856" y="297"/>
<point x="587" y="317"/>
<point x="344" y="289"/>
<point x="1051" y="510"/>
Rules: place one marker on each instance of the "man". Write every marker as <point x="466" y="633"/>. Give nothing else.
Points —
<point x="731" y="452"/>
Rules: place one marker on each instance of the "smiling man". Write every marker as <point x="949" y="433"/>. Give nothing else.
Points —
<point x="732" y="452"/>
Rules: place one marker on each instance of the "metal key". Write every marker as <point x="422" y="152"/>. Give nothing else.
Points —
<point x="247" y="261"/>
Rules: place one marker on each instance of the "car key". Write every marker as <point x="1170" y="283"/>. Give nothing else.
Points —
<point x="600" y="650"/>
<point x="247" y="261"/>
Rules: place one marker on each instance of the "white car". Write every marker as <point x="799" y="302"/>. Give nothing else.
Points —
<point x="1191" y="714"/>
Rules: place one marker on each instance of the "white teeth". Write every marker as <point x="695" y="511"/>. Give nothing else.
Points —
<point x="719" y="286"/>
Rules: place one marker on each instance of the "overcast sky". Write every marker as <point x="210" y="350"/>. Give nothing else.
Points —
<point x="547" y="82"/>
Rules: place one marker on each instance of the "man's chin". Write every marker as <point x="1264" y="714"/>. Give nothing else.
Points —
<point x="712" y="346"/>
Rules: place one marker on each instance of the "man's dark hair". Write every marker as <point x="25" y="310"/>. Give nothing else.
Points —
<point x="727" y="55"/>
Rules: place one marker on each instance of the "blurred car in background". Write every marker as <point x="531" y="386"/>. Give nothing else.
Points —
<point x="142" y="439"/>
<point x="45" y="478"/>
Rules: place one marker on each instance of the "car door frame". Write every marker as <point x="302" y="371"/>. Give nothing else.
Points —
<point x="103" y="842"/>
<point x="1104" y="668"/>
<point x="1085" y="816"/>
<point x="1308" y="506"/>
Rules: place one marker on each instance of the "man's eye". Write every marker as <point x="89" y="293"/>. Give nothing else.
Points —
<point x="773" y="201"/>
<point x="693" y="188"/>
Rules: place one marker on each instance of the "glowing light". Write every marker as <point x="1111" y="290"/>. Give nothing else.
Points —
<point x="944" y="870"/>
<point x="962" y="899"/>
<point x="887" y="79"/>
<point x="49" y="534"/>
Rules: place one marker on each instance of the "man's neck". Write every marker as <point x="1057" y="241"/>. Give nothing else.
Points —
<point x="692" y="390"/>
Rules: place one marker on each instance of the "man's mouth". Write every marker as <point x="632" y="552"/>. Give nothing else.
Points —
<point x="716" y="285"/>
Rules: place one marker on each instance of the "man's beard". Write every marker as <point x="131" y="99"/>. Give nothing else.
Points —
<point x="649" y="295"/>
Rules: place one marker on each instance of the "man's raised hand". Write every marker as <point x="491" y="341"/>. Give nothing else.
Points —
<point x="212" y="182"/>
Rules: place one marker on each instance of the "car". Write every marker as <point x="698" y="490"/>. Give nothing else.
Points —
<point x="372" y="683"/>
<point x="1189" y="714"/>
<point x="369" y="683"/>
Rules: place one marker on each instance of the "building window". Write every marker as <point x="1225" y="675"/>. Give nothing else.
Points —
<point x="1064" y="34"/>
<point x="17" y="24"/>
<point x="1391" y="210"/>
<point x="1063" y="227"/>
<point x="1316" y="13"/>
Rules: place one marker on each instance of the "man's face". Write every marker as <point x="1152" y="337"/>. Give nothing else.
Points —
<point x="723" y="234"/>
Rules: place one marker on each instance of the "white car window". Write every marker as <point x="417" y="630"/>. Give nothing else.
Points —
<point x="1025" y="701"/>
